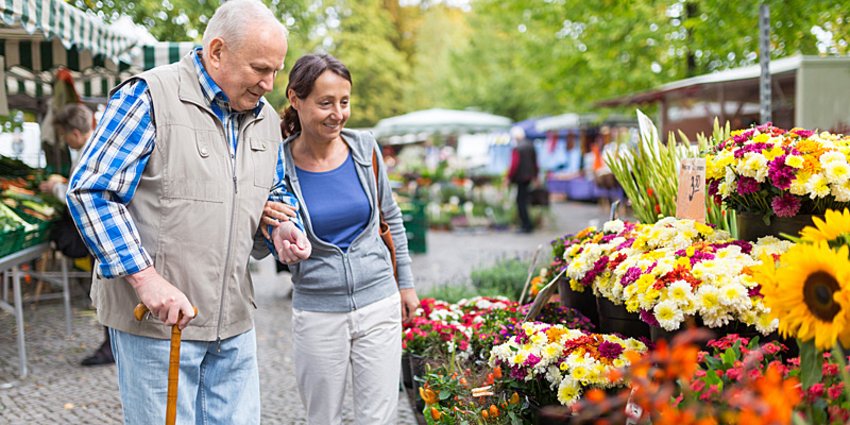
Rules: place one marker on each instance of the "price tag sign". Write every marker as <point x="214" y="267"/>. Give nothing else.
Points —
<point x="690" y="201"/>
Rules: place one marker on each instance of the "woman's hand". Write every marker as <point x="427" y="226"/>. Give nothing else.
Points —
<point x="273" y="214"/>
<point x="409" y="304"/>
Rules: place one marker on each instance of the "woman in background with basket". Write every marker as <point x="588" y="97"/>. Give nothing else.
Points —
<point x="349" y="300"/>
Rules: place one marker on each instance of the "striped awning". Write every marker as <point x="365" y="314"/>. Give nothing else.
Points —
<point x="56" y="19"/>
<point x="92" y="78"/>
<point x="162" y="53"/>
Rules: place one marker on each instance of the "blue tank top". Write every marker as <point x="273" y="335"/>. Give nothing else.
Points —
<point x="337" y="203"/>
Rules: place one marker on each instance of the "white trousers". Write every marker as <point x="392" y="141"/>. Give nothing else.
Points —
<point x="366" y="342"/>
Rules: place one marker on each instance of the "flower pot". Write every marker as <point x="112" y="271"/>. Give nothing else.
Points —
<point x="583" y="302"/>
<point x="417" y="370"/>
<point x="406" y="376"/>
<point x="751" y="226"/>
<point x="616" y="319"/>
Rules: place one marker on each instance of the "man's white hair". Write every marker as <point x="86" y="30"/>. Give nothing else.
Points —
<point x="233" y="20"/>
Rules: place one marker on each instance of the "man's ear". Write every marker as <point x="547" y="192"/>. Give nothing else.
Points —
<point x="213" y="56"/>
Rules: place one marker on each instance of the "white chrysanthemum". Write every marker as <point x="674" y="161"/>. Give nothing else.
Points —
<point x="568" y="391"/>
<point x="734" y="294"/>
<point x="708" y="300"/>
<point x="679" y="292"/>
<point x="841" y="191"/>
<point x="832" y="158"/>
<point x="669" y="315"/>
<point x="817" y="186"/>
<point x="837" y="172"/>
<point x="613" y="226"/>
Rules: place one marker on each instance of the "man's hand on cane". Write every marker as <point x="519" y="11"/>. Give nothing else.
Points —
<point x="164" y="301"/>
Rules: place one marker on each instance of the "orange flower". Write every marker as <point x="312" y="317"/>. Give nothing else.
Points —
<point x="497" y="372"/>
<point x="428" y="395"/>
<point x="494" y="411"/>
<point x="595" y="395"/>
<point x="435" y="413"/>
<point x="514" y="398"/>
<point x="485" y="414"/>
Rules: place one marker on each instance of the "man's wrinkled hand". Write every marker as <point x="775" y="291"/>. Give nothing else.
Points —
<point x="290" y="243"/>
<point x="163" y="299"/>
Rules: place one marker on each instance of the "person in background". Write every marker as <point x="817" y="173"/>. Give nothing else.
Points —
<point x="347" y="306"/>
<point x="522" y="172"/>
<point x="74" y="123"/>
<point x="169" y="196"/>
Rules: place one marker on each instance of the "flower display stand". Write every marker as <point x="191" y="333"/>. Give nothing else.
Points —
<point x="616" y="319"/>
<point x="583" y="302"/>
<point x="751" y="226"/>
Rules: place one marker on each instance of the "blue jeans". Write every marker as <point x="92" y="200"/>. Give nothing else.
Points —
<point x="215" y="387"/>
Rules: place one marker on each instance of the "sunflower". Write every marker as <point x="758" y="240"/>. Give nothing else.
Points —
<point x="835" y="225"/>
<point x="811" y="295"/>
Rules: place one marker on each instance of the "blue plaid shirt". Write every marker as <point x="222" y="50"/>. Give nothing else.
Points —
<point x="112" y="164"/>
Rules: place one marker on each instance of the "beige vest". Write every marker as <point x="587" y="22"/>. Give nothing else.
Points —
<point x="196" y="216"/>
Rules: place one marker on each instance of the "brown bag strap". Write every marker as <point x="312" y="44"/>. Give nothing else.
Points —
<point x="384" y="227"/>
<point x="377" y="182"/>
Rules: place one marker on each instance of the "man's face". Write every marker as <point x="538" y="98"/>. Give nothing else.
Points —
<point x="246" y="71"/>
<point x="75" y="139"/>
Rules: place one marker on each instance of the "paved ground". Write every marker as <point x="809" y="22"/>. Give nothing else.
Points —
<point x="58" y="391"/>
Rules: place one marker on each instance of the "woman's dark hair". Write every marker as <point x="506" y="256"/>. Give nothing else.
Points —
<point x="302" y="78"/>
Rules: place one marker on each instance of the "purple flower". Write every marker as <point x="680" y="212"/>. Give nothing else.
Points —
<point x="532" y="360"/>
<point x="608" y="238"/>
<point x="780" y="174"/>
<point x="747" y="185"/>
<point x="598" y="267"/>
<point x="803" y="133"/>
<point x="648" y="318"/>
<point x="609" y="350"/>
<point x="786" y="205"/>
<point x="743" y="137"/>
<point x="627" y="244"/>
<point x="632" y="274"/>
<point x="746" y="247"/>
<point x="701" y="256"/>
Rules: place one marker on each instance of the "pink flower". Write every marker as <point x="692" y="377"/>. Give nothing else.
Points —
<point x="754" y="374"/>
<point x="830" y="369"/>
<point x="815" y="391"/>
<point x="771" y="348"/>
<point x="747" y="185"/>
<point x="835" y="391"/>
<point x="786" y="205"/>
<point x="698" y="385"/>
<point x="734" y="374"/>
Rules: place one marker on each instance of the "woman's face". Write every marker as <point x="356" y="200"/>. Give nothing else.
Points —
<point x="325" y="111"/>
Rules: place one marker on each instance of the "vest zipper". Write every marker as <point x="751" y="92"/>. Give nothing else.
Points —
<point x="349" y="279"/>
<point x="227" y="259"/>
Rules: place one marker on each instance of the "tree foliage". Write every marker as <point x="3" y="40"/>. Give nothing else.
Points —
<point x="517" y="58"/>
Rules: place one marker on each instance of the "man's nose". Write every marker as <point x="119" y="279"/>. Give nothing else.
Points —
<point x="267" y="82"/>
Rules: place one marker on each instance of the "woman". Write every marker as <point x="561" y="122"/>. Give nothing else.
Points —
<point x="347" y="307"/>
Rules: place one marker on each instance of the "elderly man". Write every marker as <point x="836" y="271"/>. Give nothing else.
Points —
<point x="168" y="196"/>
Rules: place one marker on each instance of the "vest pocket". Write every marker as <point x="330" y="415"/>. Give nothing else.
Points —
<point x="264" y="154"/>
<point x="196" y="170"/>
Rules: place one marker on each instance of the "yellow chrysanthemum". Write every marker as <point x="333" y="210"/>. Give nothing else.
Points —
<point x="812" y="296"/>
<point x="835" y="224"/>
<point x="794" y="161"/>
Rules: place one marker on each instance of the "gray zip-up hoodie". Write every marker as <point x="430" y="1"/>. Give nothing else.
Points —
<point x="335" y="281"/>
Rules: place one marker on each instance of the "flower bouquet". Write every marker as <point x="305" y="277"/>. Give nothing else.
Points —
<point x="772" y="172"/>
<point x="672" y="270"/>
<point x="549" y="360"/>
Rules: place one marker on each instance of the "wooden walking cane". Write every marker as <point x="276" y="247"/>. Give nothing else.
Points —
<point x="173" y="364"/>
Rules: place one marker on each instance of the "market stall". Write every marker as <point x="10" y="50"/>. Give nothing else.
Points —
<point x="49" y="52"/>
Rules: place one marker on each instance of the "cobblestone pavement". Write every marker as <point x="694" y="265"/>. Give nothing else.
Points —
<point x="59" y="391"/>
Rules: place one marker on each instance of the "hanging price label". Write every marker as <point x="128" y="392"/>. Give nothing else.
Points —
<point x="690" y="201"/>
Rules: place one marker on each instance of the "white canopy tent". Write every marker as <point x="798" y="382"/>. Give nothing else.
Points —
<point x="440" y="121"/>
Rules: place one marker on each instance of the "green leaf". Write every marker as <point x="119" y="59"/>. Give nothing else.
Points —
<point x="811" y="363"/>
<point x="445" y="395"/>
<point x="729" y="357"/>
